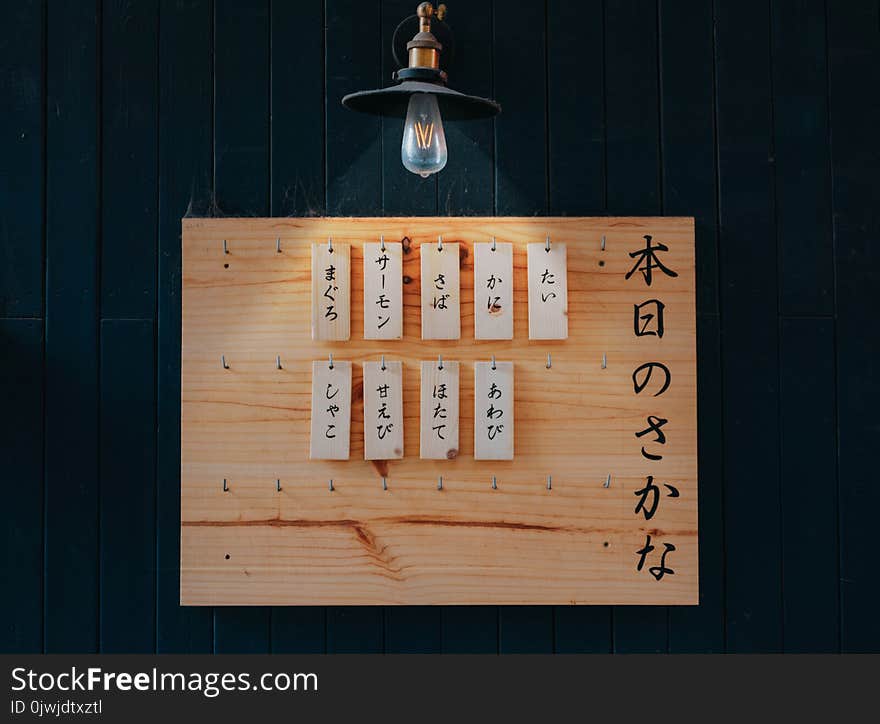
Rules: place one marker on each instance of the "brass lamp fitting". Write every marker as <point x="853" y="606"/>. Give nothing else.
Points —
<point x="424" y="49"/>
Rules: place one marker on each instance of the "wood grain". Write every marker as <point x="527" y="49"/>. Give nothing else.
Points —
<point x="414" y="544"/>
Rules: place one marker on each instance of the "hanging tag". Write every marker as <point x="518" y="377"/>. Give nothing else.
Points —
<point x="438" y="439"/>
<point x="441" y="307"/>
<point x="331" y="292"/>
<point x="493" y="291"/>
<point x="383" y="411"/>
<point x="493" y="411"/>
<point x="331" y="410"/>
<point x="548" y="291"/>
<point x="383" y="291"/>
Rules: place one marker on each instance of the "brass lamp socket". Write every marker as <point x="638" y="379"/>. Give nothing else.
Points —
<point x="424" y="49"/>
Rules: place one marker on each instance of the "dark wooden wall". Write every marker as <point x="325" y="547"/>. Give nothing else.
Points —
<point x="760" y="118"/>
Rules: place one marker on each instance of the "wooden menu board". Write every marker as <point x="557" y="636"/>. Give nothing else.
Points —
<point x="599" y="504"/>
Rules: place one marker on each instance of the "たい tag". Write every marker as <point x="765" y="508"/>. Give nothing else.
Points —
<point x="493" y="411"/>
<point x="383" y="411"/>
<point x="331" y="292"/>
<point x="493" y="291"/>
<point x="548" y="291"/>
<point x="383" y="291"/>
<point x="331" y="410"/>
<point x="438" y="438"/>
<point x="441" y="305"/>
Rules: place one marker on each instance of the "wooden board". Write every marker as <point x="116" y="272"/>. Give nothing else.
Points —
<point x="522" y="543"/>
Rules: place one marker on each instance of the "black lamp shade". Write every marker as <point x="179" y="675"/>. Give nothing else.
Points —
<point x="392" y="101"/>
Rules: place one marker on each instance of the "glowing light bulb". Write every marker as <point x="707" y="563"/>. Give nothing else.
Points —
<point x="423" y="150"/>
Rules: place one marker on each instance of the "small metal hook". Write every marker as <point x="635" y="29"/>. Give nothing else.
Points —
<point x="223" y="362"/>
<point x="439" y="361"/>
<point x="225" y="248"/>
<point x="383" y="362"/>
<point x="439" y="242"/>
<point x="549" y="482"/>
<point x="549" y="361"/>
<point x="330" y="486"/>
<point x="607" y="481"/>
<point x="604" y="361"/>
<point x="494" y="245"/>
<point x="382" y="242"/>
<point x="329" y="244"/>
<point x="603" y="242"/>
<point x="440" y="483"/>
<point x="278" y="484"/>
<point x="278" y="361"/>
<point x="331" y="361"/>
<point x="547" y="244"/>
<point x="493" y="362"/>
<point x="494" y="483"/>
<point x="277" y="244"/>
<point x="225" y="486"/>
<point x="384" y="483"/>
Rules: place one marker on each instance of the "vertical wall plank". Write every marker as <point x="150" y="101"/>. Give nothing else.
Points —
<point x="687" y="106"/>
<point x="21" y="161"/>
<point x="576" y="183"/>
<point x="700" y="629"/>
<point x="21" y="295"/>
<point x="21" y="516"/>
<point x="802" y="158"/>
<point x="854" y="64"/>
<point x="128" y="487"/>
<point x="576" y="107"/>
<point x="297" y="114"/>
<point x="185" y="150"/>
<point x="633" y="157"/>
<point x="750" y="336"/>
<point x="241" y="107"/>
<point x="466" y="186"/>
<point x="71" y="452"/>
<point x="809" y="486"/>
<point x="241" y="185"/>
<point x="519" y="61"/>
<point x="129" y="158"/>
<point x="810" y="550"/>
<point x="297" y="133"/>
<point x="352" y="61"/>
<point x="632" y="108"/>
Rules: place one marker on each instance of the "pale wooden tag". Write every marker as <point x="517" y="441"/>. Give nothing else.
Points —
<point x="383" y="411"/>
<point x="331" y="292"/>
<point x="438" y="438"/>
<point x="548" y="291"/>
<point x="493" y="411"/>
<point x="331" y="410"/>
<point x="493" y="291"/>
<point x="441" y="302"/>
<point x="383" y="291"/>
